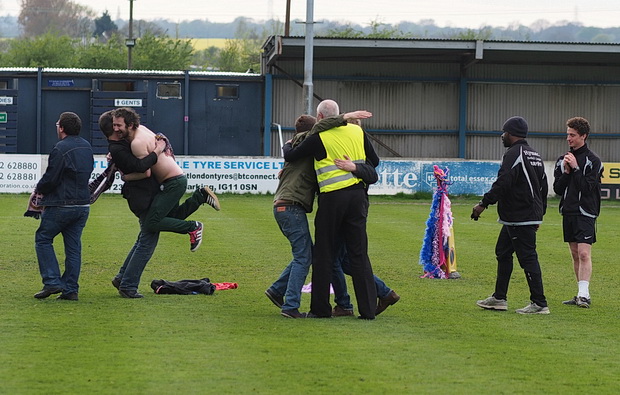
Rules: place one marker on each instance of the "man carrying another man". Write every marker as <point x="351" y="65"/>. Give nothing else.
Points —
<point x="139" y="190"/>
<point x="173" y="183"/>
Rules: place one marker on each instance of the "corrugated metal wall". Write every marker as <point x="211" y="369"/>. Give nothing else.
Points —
<point x="546" y="108"/>
<point x="411" y="101"/>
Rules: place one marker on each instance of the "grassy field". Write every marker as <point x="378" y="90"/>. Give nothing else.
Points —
<point x="203" y="43"/>
<point x="435" y="340"/>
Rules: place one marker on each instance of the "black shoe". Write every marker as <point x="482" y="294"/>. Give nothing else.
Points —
<point x="70" y="296"/>
<point x="278" y="300"/>
<point x="130" y="294"/>
<point x="292" y="313"/>
<point x="571" y="302"/>
<point x="46" y="292"/>
<point x="116" y="282"/>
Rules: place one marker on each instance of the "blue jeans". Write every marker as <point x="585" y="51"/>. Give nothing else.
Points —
<point x="293" y="223"/>
<point x="342" y="267"/>
<point x="139" y="255"/>
<point x="69" y="221"/>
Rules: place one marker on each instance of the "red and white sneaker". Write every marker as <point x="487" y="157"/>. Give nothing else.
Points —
<point x="195" y="237"/>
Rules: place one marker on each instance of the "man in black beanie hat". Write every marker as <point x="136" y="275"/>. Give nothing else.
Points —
<point x="520" y="192"/>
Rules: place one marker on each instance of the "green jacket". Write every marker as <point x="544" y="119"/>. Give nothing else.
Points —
<point x="298" y="179"/>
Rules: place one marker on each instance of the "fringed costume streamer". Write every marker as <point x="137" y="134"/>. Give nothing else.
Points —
<point x="435" y="250"/>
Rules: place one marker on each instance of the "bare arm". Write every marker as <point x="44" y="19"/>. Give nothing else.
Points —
<point x="359" y="114"/>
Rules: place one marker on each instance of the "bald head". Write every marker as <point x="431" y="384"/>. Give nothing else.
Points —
<point x="327" y="108"/>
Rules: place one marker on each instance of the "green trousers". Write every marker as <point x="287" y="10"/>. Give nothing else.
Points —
<point x="165" y="213"/>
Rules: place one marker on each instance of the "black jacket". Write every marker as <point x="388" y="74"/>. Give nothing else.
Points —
<point x="580" y="190"/>
<point x="139" y="194"/>
<point x="520" y="190"/>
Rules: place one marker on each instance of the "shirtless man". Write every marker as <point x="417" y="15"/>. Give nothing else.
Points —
<point x="126" y="123"/>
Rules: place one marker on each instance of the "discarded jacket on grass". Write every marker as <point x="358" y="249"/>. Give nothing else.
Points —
<point x="183" y="287"/>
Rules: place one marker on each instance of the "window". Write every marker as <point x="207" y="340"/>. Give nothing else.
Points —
<point x="227" y="92"/>
<point x="117" y="86"/>
<point x="169" y="90"/>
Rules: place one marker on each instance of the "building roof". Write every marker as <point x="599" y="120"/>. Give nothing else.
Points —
<point x="278" y="48"/>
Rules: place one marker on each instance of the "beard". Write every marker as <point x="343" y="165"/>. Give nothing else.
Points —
<point x="505" y="141"/>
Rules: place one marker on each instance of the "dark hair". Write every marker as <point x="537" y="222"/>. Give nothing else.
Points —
<point x="304" y="123"/>
<point x="581" y="125"/>
<point x="130" y="116"/>
<point x="70" y="122"/>
<point x="105" y="123"/>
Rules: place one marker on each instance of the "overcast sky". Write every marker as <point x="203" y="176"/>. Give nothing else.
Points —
<point x="456" y="13"/>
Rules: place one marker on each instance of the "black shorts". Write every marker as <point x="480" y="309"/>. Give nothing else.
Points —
<point x="579" y="229"/>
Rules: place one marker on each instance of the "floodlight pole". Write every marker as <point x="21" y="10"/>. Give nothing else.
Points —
<point x="308" y="92"/>
<point x="130" y="42"/>
<point x="287" y="22"/>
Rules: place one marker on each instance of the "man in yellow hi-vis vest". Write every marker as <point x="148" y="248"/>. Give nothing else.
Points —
<point x="342" y="210"/>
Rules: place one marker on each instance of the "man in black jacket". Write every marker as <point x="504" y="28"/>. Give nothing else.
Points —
<point x="577" y="179"/>
<point x="520" y="192"/>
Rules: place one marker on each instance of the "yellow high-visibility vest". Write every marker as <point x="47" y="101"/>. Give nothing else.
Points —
<point x="343" y="140"/>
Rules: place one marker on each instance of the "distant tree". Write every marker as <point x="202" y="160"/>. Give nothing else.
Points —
<point x="103" y="55"/>
<point x="470" y="34"/>
<point x="383" y="30"/>
<point x="207" y="59"/>
<point x="104" y="27"/>
<point x="38" y="17"/>
<point x="347" y="31"/>
<point x="47" y="50"/>
<point x="376" y="30"/>
<point x="230" y="57"/>
<point x="161" y="53"/>
<point x="141" y="28"/>
<point x="243" y="53"/>
<point x="603" y="38"/>
<point x="53" y="50"/>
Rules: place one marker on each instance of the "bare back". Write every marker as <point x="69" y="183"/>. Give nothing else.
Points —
<point x="144" y="143"/>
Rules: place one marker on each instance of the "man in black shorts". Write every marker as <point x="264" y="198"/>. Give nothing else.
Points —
<point x="577" y="179"/>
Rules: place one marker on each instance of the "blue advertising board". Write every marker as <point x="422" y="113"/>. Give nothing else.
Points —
<point x="408" y="176"/>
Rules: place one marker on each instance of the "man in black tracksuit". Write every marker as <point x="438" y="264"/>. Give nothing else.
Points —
<point x="520" y="192"/>
<point x="577" y="179"/>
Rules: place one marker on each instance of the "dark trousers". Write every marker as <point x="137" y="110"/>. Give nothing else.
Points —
<point x="522" y="241"/>
<point x="159" y="218"/>
<point x="342" y="214"/>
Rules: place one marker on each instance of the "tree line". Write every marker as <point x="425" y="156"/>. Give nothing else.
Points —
<point x="61" y="33"/>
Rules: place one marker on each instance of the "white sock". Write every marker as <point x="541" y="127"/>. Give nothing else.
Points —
<point x="584" y="290"/>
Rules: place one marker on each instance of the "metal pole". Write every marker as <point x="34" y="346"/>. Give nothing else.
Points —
<point x="130" y="46"/>
<point x="39" y="107"/>
<point x="287" y="22"/>
<point x="308" y="57"/>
